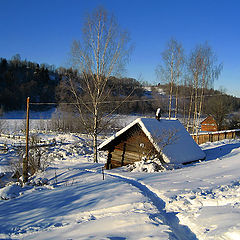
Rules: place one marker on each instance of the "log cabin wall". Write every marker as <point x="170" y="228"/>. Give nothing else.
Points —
<point x="131" y="149"/>
<point x="209" y="125"/>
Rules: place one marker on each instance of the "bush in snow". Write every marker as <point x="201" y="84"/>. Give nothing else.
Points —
<point x="64" y="120"/>
<point x="38" y="158"/>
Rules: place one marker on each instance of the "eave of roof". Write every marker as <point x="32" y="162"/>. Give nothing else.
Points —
<point x="117" y="134"/>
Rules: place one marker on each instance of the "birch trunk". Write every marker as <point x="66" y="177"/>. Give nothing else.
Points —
<point x="171" y="89"/>
<point x="190" y="110"/>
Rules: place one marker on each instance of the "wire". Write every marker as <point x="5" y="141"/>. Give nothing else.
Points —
<point x="119" y="101"/>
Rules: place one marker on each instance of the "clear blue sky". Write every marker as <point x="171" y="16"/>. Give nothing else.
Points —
<point x="43" y="30"/>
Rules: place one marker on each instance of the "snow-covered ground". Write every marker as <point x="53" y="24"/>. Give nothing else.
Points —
<point x="197" y="201"/>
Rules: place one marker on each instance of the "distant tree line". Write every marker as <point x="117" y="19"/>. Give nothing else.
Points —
<point x="117" y="88"/>
<point x="44" y="83"/>
<point x="20" y="79"/>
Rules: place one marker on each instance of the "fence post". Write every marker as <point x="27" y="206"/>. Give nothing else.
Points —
<point x="124" y="150"/>
<point x="103" y="172"/>
<point x="25" y="160"/>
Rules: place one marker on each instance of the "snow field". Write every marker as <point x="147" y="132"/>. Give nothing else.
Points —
<point x="87" y="206"/>
<point x="197" y="201"/>
<point x="206" y="195"/>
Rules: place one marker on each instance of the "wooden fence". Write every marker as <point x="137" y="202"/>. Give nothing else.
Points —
<point x="13" y="136"/>
<point x="203" y="137"/>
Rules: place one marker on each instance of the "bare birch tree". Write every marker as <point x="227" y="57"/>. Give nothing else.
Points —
<point x="179" y="68"/>
<point x="102" y="52"/>
<point x="204" y="70"/>
<point x="210" y="72"/>
<point x="170" y="69"/>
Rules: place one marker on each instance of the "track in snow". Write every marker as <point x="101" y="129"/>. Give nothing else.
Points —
<point x="179" y="232"/>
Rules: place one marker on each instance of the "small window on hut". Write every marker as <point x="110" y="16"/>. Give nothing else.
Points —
<point x="142" y="145"/>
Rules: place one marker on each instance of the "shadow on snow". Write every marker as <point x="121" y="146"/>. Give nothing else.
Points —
<point x="220" y="151"/>
<point x="179" y="232"/>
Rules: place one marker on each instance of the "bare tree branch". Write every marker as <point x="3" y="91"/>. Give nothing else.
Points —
<point x="102" y="53"/>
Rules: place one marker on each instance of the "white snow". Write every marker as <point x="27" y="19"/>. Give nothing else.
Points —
<point x="70" y="200"/>
<point x="10" y="191"/>
<point x="160" y="91"/>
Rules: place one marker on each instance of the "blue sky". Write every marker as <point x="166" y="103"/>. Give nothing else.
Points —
<point x="42" y="31"/>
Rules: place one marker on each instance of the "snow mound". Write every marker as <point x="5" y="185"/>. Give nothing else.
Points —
<point x="146" y="166"/>
<point x="39" y="181"/>
<point x="10" y="191"/>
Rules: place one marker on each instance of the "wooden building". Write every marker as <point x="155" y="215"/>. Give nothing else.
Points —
<point x="146" y="137"/>
<point x="209" y="124"/>
<point x="203" y="137"/>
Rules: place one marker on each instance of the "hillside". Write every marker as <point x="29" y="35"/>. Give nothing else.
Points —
<point x="20" y="79"/>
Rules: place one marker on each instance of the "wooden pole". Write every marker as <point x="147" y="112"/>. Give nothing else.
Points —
<point x="103" y="172"/>
<point x="25" y="160"/>
<point x="109" y="157"/>
<point x="124" y="150"/>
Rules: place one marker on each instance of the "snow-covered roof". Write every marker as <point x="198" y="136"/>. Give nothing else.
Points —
<point x="182" y="148"/>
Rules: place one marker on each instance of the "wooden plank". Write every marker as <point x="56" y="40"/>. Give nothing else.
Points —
<point x="124" y="150"/>
<point x="215" y="136"/>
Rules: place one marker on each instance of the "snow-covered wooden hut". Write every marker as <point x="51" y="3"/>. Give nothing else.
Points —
<point x="166" y="138"/>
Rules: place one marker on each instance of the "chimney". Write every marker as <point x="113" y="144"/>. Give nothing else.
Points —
<point x="158" y="114"/>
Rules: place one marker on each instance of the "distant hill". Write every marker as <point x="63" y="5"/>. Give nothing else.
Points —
<point x="21" y="79"/>
<point x="43" y="83"/>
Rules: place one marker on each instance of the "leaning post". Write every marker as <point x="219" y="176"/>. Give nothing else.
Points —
<point x="25" y="159"/>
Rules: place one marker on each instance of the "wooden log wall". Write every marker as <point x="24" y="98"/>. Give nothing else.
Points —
<point x="131" y="150"/>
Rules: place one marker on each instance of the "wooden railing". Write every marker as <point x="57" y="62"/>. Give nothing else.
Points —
<point x="203" y="137"/>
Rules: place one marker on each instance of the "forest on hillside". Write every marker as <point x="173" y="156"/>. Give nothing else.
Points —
<point x="43" y="83"/>
<point x="20" y="79"/>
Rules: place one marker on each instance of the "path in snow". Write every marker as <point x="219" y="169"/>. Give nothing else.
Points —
<point x="179" y="232"/>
